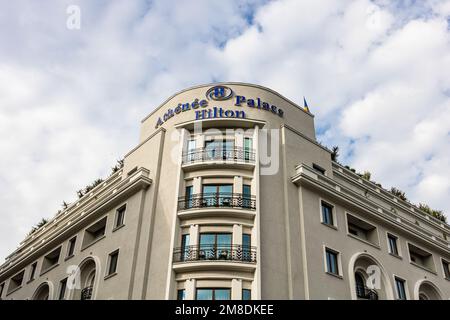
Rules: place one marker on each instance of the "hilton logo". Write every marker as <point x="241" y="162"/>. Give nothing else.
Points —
<point x="219" y="93"/>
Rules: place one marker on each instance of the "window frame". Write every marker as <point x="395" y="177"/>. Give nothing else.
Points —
<point x="62" y="284"/>
<point x="68" y="253"/>
<point x="250" y="293"/>
<point x="431" y="256"/>
<point x="339" y="273"/>
<point x="33" y="272"/>
<point x="334" y="225"/>
<point x="109" y="274"/>
<point x="397" y="243"/>
<point x="213" y="293"/>
<point x="446" y="275"/>
<point x="116" y="216"/>
<point x="405" y="287"/>
<point x="183" y="291"/>
<point x="366" y="241"/>
<point x="45" y="270"/>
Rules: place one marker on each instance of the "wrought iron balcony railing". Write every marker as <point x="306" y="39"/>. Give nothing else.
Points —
<point x="362" y="292"/>
<point x="217" y="200"/>
<point x="86" y="293"/>
<point x="234" y="253"/>
<point x="219" y="154"/>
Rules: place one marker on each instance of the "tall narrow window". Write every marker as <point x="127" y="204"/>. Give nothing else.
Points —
<point x="446" y="267"/>
<point x="400" y="285"/>
<point x="33" y="271"/>
<point x="2" y="286"/>
<point x="327" y="214"/>
<point x="71" y="247"/>
<point x="393" y="249"/>
<point x="181" y="294"/>
<point x="246" y="196"/>
<point x="191" y="150"/>
<point x="332" y="261"/>
<point x="185" y="238"/>
<point x="246" y="294"/>
<point x="189" y="197"/>
<point x="120" y="216"/>
<point x="62" y="289"/>
<point x="246" y="247"/>
<point x="113" y="258"/>
<point x="248" y="142"/>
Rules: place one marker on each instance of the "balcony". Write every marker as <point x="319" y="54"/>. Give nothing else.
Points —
<point x="217" y="200"/>
<point x="206" y="253"/>
<point x="239" y="156"/>
<point x="86" y="293"/>
<point x="362" y="292"/>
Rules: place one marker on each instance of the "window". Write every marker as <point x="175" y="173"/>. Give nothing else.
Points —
<point x="120" y="216"/>
<point x="246" y="247"/>
<point x="420" y="257"/>
<point x="392" y="241"/>
<point x="332" y="261"/>
<point x="213" y="294"/>
<point x="217" y="195"/>
<point x="191" y="150"/>
<point x="62" y="289"/>
<point x="112" y="265"/>
<point x="362" y="230"/>
<point x="51" y="259"/>
<point x="2" y="286"/>
<point x="446" y="266"/>
<point x="401" y="291"/>
<point x="318" y="168"/>
<point x="33" y="271"/>
<point x="94" y="232"/>
<point x="246" y="196"/>
<point x="215" y="246"/>
<point x="185" y="239"/>
<point x="327" y="214"/>
<point x="71" y="247"/>
<point x="16" y="281"/>
<point x="246" y="294"/>
<point x="188" y="194"/>
<point x="181" y="294"/>
<point x="248" y="143"/>
<point x="219" y="149"/>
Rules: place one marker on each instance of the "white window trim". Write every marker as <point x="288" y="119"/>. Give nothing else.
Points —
<point x="116" y="211"/>
<point x="339" y="258"/>
<point x="399" y="247"/>
<point x="442" y="267"/>
<point x="405" y="282"/>
<point x="108" y="264"/>
<point x="333" y="213"/>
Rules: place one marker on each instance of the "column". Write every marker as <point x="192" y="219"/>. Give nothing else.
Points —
<point x="236" y="289"/>
<point x="237" y="184"/>
<point x="193" y="235"/>
<point x="237" y="234"/>
<point x="189" y="286"/>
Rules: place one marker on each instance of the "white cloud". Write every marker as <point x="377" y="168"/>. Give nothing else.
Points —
<point x="374" y="73"/>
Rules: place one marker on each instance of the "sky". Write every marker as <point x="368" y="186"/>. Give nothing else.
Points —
<point x="375" y="75"/>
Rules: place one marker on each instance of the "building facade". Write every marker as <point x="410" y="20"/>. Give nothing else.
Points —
<point x="228" y="195"/>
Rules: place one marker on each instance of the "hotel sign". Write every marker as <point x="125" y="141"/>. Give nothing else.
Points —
<point x="219" y="93"/>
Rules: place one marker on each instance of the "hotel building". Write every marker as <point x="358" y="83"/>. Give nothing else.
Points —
<point x="228" y="195"/>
